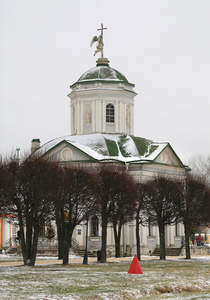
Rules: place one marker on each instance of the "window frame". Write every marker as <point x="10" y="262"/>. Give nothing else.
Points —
<point x="110" y="113"/>
<point x="94" y="226"/>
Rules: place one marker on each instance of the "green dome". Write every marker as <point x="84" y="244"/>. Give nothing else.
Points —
<point x="103" y="73"/>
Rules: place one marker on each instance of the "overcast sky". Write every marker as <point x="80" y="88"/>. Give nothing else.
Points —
<point x="162" y="46"/>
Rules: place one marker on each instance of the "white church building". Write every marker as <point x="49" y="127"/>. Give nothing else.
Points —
<point x="102" y="130"/>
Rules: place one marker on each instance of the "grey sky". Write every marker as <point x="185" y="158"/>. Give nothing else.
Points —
<point x="163" y="47"/>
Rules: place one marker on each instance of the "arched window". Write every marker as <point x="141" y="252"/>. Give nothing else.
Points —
<point x="94" y="226"/>
<point x="110" y="113"/>
<point x="150" y="228"/>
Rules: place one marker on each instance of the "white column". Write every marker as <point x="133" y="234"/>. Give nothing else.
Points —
<point x="82" y="117"/>
<point x="71" y="119"/>
<point x="116" y="116"/>
<point x="132" y="117"/>
<point x="122" y="116"/>
<point x="93" y="117"/>
<point x="77" y="118"/>
<point x="103" y="115"/>
<point x="98" y="116"/>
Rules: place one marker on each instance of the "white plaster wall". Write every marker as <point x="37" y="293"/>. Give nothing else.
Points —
<point x="6" y="231"/>
<point x="74" y="155"/>
<point x="99" y="96"/>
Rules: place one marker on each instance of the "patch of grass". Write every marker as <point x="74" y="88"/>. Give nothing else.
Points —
<point x="160" y="280"/>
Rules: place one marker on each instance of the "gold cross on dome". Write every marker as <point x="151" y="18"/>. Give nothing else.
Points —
<point x="102" y="29"/>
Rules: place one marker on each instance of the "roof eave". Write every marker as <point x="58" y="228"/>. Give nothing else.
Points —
<point x="101" y="80"/>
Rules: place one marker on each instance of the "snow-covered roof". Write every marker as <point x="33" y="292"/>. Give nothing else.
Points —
<point x="117" y="147"/>
<point x="104" y="73"/>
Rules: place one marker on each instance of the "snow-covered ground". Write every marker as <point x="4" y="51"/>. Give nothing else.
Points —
<point x="14" y="257"/>
<point x="72" y="258"/>
<point x="175" y="278"/>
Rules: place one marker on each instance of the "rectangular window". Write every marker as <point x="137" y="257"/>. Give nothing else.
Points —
<point x="110" y="113"/>
<point x="150" y="228"/>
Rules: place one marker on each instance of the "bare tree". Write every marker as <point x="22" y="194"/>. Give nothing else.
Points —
<point x="32" y="188"/>
<point x="193" y="205"/>
<point x="159" y="205"/>
<point x="123" y="203"/>
<point x="4" y="185"/>
<point x="105" y="194"/>
<point x="200" y="167"/>
<point x="116" y="202"/>
<point x="76" y="203"/>
<point x="142" y="187"/>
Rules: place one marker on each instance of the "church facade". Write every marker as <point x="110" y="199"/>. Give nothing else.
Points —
<point x="102" y="130"/>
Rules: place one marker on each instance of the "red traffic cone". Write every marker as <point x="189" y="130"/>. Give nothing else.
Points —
<point x="135" y="267"/>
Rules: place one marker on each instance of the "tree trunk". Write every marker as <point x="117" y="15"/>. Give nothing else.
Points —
<point x="28" y="241"/>
<point x="104" y="239"/>
<point x="60" y="233"/>
<point x="66" y="245"/>
<point x="187" y="239"/>
<point x="60" y="243"/>
<point x="138" y="237"/>
<point x="67" y="242"/>
<point x="117" y="236"/>
<point x="34" y="245"/>
<point x="162" y="240"/>
<point x="22" y="237"/>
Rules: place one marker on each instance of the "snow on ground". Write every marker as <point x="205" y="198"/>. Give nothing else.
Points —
<point x="109" y="281"/>
<point x="14" y="257"/>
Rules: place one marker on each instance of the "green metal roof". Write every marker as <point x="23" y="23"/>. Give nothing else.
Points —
<point x="103" y="72"/>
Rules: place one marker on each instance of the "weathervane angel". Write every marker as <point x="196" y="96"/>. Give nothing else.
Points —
<point x="99" y="39"/>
